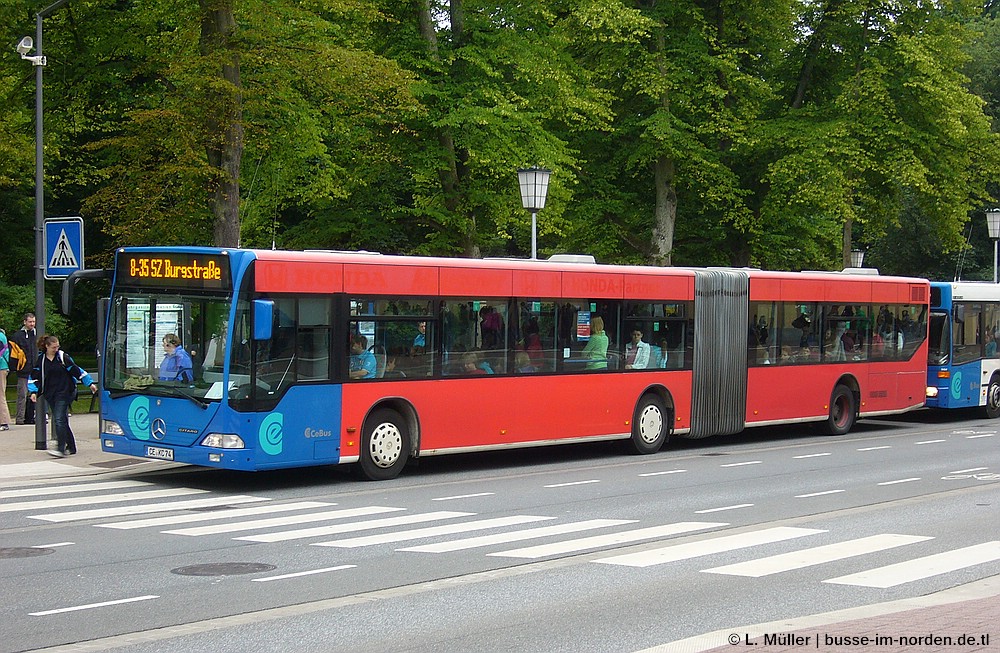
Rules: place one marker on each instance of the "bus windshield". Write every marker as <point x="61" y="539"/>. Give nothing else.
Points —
<point x="167" y="344"/>
<point x="940" y="339"/>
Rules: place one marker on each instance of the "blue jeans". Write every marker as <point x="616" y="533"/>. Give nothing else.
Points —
<point x="60" y="423"/>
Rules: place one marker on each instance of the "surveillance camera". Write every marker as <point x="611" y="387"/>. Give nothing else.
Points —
<point x="25" y="46"/>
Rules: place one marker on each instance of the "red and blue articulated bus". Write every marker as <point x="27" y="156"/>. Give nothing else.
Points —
<point x="290" y="359"/>
<point x="963" y="368"/>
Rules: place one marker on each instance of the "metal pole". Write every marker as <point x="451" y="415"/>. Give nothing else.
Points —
<point x="40" y="412"/>
<point x="534" y="239"/>
<point x="994" y="260"/>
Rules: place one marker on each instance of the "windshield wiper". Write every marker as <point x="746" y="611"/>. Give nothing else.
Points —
<point x="201" y="404"/>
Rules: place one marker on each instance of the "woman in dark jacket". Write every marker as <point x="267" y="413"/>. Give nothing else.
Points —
<point x="55" y="377"/>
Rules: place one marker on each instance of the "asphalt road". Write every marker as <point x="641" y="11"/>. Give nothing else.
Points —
<point x="576" y="548"/>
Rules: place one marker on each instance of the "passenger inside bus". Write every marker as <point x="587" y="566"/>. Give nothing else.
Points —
<point x="636" y="352"/>
<point x="596" y="349"/>
<point x="362" y="364"/>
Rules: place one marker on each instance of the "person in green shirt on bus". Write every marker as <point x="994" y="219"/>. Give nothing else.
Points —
<point x="597" y="347"/>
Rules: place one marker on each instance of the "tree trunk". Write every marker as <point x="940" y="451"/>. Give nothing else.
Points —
<point x="812" y="53"/>
<point x="454" y="166"/>
<point x="665" y="210"/>
<point x="848" y="241"/>
<point x="224" y="121"/>
<point x="665" y="213"/>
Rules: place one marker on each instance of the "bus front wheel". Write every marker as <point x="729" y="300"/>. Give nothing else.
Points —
<point x="843" y="411"/>
<point x="385" y="447"/>
<point x="992" y="407"/>
<point x="649" y="425"/>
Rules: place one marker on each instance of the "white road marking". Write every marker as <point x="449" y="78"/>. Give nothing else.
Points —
<point x="749" y="462"/>
<point x="919" y="568"/>
<point x="45" y="504"/>
<point x="672" y="471"/>
<point x="817" y="494"/>
<point x="572" y="483"/>
<point x="465" y="496"/>
<point x="69" y="489"/>
<point x="302" y="573"/>
<point x="517" y="536"/>
<point x="813" y="455"/>
<point x="706" y="547"/>
<point x="352" y="527"/>
<point x="902" y="480"/>
<point x="145" y="508"/>
<point x="256" y="524"/>
<point x="433" y="531"/>
<point x="597" y="541"/>
<point x="92" y="605"/>
<point x="216" y="514"/>
<point x="874" y="448"/>
<point x="739" y="505"/>
<point x="815" y="556"/>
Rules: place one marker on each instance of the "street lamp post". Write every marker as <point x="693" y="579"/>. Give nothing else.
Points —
<point x="38" y="60"/>
<point x="534" y="184"/>
<point x="857" y="258"/>
<point x="993" y="223"/>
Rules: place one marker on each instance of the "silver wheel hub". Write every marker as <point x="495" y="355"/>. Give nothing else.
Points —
<point x="386" y="445"/>
<point x="650" y="424"/>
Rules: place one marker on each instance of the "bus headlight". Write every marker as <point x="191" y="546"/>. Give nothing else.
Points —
<point x="111" y="428"/>
<point x="223" y="441"/>
<point x="932" y="391"/>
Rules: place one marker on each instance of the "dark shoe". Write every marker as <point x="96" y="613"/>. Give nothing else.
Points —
<point x="19" y="423"/>
<point x="56" y="453"/>
<point x="70" y="453"/>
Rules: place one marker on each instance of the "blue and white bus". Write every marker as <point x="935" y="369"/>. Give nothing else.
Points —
<point x="963" y="365"/>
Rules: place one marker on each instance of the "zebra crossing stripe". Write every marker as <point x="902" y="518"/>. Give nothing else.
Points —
<point x="353" y="526"/>
<point x="919" y="568"/>
<point x="611" y="539"/>
<point x="217" y="514"/>
<point x="706" y="547"/>
<point x="517" y="536"/>
<point x="815" y="556"/>
<point x="146" y="508"/>
<point x="433" y="531"/>
<point x="257" y="524"/>
<point x="46" y="504"/>
<point x="69" y="489"/>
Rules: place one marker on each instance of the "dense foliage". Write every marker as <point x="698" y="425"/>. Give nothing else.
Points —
<point x="771" y="133"/>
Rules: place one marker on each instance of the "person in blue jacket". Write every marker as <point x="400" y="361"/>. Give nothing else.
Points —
<point x="55" y="376"/>
<point x="176" y="365"/>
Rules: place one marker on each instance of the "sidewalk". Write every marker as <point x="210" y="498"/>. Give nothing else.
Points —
<point x="20" y="459"/>
<point x="963" y="618"/>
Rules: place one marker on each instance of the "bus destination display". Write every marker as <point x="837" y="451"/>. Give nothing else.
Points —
<point x="174" y="270"/>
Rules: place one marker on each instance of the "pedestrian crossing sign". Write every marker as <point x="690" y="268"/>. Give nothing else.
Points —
<point x="63" y="247"/>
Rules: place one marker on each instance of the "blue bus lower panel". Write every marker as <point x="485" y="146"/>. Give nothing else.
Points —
<point x="962" y="389"/>
<point x="303" y="429"/>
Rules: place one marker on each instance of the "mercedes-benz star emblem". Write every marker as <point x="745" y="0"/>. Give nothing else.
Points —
<point x="159" y="429"/>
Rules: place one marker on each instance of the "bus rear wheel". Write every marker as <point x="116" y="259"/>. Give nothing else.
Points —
<point x="385" y="447"/>
<point x="649" y="425"/>
<point x="992" y="408"/>
<point x="843" y="411"/>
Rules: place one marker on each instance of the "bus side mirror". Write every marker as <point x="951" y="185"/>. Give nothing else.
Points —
<point x="263" y="317"/>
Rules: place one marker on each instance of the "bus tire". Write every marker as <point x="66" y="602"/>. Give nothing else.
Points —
<point x="992" y="407"/>
<point x="649" y="425"/>
<point x="385" y="446"/>
<point x="843" y="411"/>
